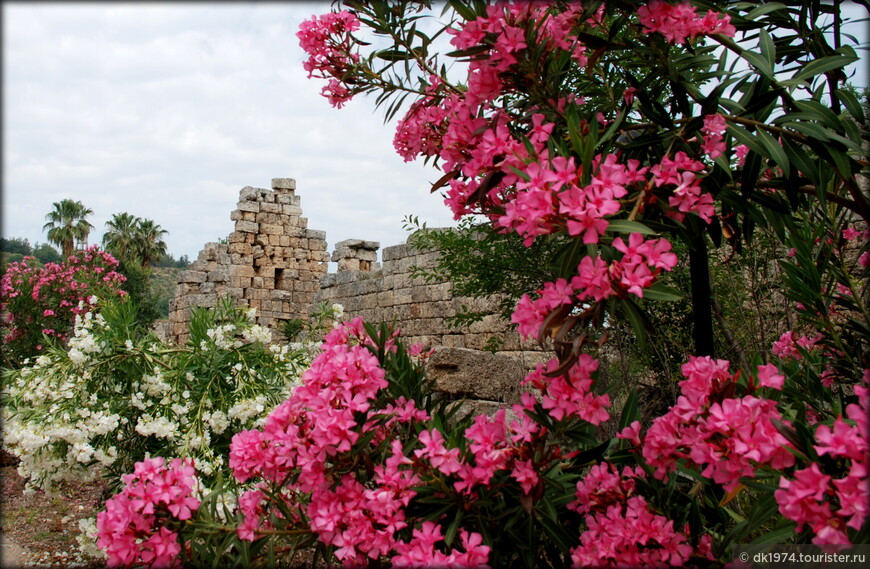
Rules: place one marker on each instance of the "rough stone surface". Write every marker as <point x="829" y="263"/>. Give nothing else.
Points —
<point x="391" y="293"/>
<point x="254" y="267"/>
<point x="465" y="373"/>
<point x="274" y="263"/>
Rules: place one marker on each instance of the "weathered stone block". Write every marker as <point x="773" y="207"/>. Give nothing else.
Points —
<point x="192" y="277"/>
<point x="248" y="193"/>
<point x="283" y="184"/>
<point x="476" y="374"/>
<point x="271" y="229"/>
<point x="249" y="206"/>
<point x="238" y="248"/>
<point x="271" y="218"/>
<point x="221" y="274"/>
<point x="247" y="227"/>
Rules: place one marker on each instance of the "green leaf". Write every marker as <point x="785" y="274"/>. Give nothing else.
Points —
<point x="626" y="226"/>
<point x="811" y="129"/>
<point x="635" y="317"/>
<point x="393" y="55"/>
<point x="821" y="112"/>
<point x="851" y="103"/>
<point x="564" y="540"/>
<point x="764" y="9"/>
<point x="630" y="411"/>
<point x="768" y="49"/>
<point x="476" y="50"/>
<point x="823" y="65"/>
<point x="778" y="535"/>
<point x="774" y="149"/>
<point x="759" y="62"/>
<point x="802" y="160"/>
<point x="742" y="136"/>
<point x="453" y="528"/>
<point x="659" y="291"/>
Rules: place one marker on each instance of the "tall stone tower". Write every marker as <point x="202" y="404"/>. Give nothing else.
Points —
<point x="271" y="262"/>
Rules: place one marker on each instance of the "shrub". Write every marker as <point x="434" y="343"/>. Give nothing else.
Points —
<point x="38" y="304"/>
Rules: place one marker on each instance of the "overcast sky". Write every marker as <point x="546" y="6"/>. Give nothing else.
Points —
<point x="166" y="111"/>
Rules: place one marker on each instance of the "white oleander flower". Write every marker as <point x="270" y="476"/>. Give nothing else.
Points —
<point x="217" y="421"/>
<point x="337" y="310"/>
<point x="160" y="427"/>
<point x="87" y="539"/>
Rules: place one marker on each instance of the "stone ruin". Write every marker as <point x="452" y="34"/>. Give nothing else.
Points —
<point x="274" y="263"/>
<point x="271" y="262"/>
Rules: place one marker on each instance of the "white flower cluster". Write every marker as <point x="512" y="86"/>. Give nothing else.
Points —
<point x="83" y="342"/>
<point x="161" y="427"/>
<point x="247" y="409"/>
<point x="217" y="421"/>
<point x="77" y="414"/>
<point x="87" y="539"/>
<point x="257" y="333"/>
<point x="337" y="313"/>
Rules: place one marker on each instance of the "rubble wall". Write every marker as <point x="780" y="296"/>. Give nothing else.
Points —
<point x="420" y="309"/>
<point x="271" y="262"/>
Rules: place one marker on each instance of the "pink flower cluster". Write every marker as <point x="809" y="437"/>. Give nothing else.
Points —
<point x="790" y="346"/>
<point x="421" y="551"/>
<point x="713" y="129"/>
<point x="570" y="395"/>
<point x="493" y="446"/>
<point x="827" y="505"/>
<point x="38" y="300"/>
<point x="641" y="263"/>
<point x="133" y="528"/>
<point x="680" y="22"/>
<point x="328" y="42"/>
<point x="306" y="439"/>
<point x="622" y="528"/>
<point x="727" y="437"/>
<point x="683" y="173"/>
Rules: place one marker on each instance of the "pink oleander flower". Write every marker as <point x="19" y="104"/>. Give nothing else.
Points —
<point x="421" y="551"/>
<point x="630" y="534"/>
<point x="524" y="472"/>
<point x="769" y="376"/>
<point x="130" y="531"/>
<point x="841" y="440"/>
<point x="631" y="433"/>
<point x="328" y="42"/>
<point x="680" y="22"/>
<point x="726" y="437"/>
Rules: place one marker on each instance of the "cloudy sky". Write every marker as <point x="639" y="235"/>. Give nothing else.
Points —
<point x="166" y="111"/>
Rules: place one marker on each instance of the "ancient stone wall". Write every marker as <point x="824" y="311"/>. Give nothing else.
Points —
<point x="420" y="309"/>
<point x="274" y="263"/>
<point x="271" y="262"/>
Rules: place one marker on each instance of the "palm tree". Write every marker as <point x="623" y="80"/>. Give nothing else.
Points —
<point x="122" y="235"/>
<point x="149" y="241"/>
<point x="67" y="224"/>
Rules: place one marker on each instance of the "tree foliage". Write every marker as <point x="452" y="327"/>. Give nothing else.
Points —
<point x="67" y="225"/>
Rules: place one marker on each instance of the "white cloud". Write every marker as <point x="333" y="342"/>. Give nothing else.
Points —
<point x="166" y="111"/>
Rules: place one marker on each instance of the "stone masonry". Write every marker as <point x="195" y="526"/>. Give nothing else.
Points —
<point x="271" y="262"/>
<point x="418" y="308"/>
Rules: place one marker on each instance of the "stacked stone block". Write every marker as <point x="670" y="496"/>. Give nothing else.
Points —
<point x="417" y="307"/>
<point x="271" y="262"/>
